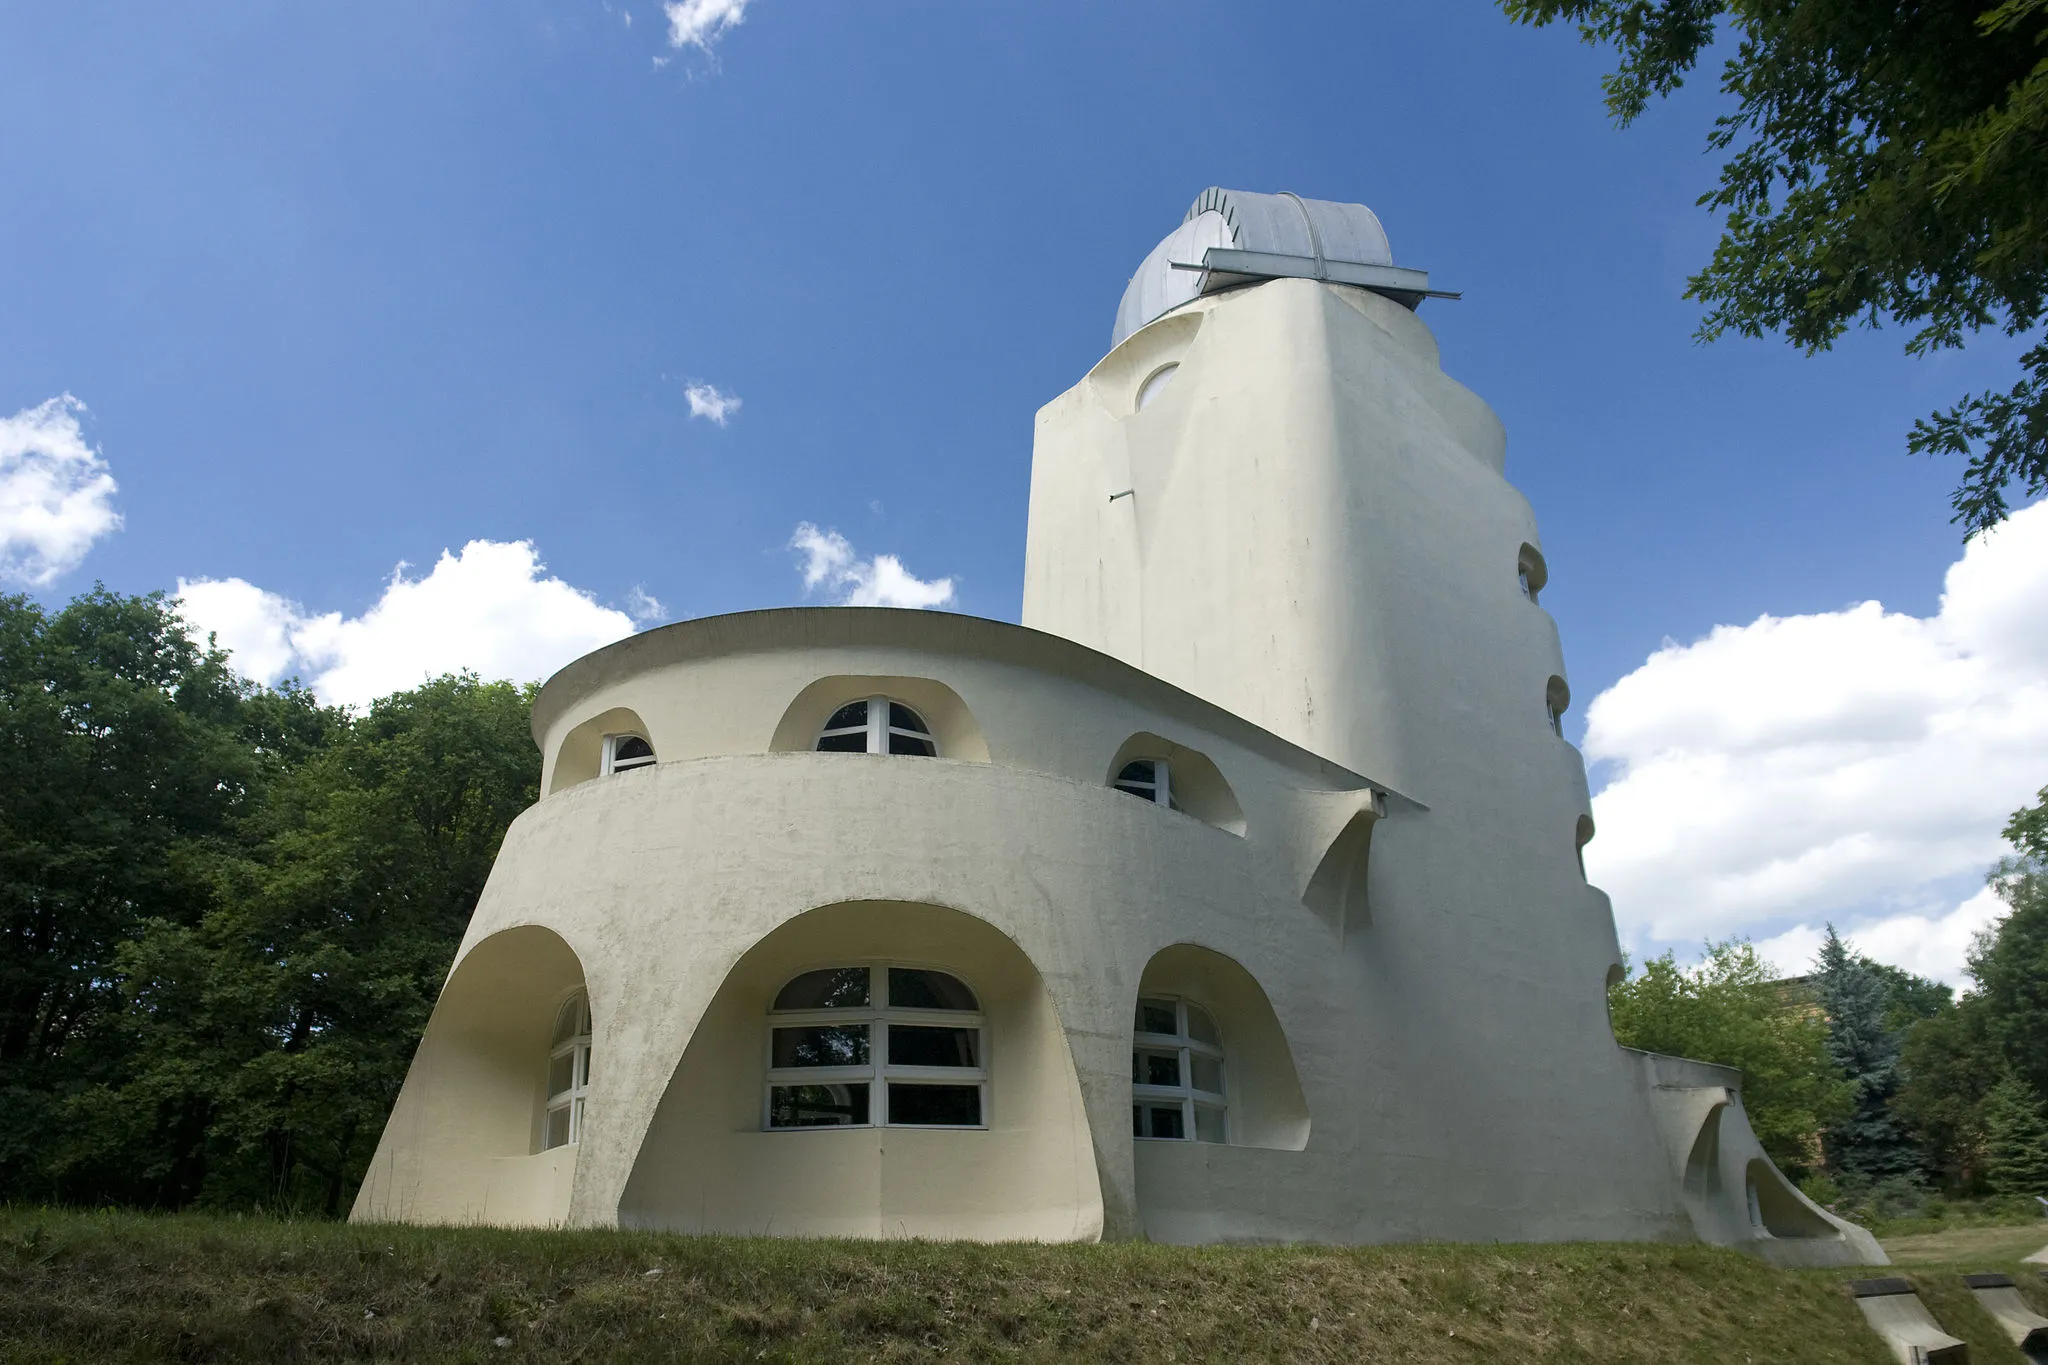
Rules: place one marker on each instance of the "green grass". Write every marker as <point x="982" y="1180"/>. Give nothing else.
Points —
<point x="89" y="1287"/>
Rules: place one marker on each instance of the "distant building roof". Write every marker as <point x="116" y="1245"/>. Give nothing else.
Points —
<point x="1233" y="237"/>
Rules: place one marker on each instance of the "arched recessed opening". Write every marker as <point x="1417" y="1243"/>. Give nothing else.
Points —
<point x="1582" y="834"/>
<point x="479" y="1103"/>
<point x="1777" y="1209"/>
<point x="950" y="725"/>
<point x="1702" y="1179"/>
<point x="1264" y="1098"/>
<point x="616" y="741"/>
<point x="1124" y="380"/>
<point x="817" y="1010"/>
<point x="1557" y="699"/>
<point x="1178" y="777"/>
<point x="1531" y="572"/>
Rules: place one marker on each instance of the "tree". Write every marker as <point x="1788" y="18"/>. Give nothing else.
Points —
<point x="127" y="755"/>
<point x="1883" y="161"/>
<point x="282" y="1021"/>
<point x="2016" y="1133"/>
<point x="1732" y="1009"/>
<point x="1867" y="1144"/>
<point x="1946" y="1068"/>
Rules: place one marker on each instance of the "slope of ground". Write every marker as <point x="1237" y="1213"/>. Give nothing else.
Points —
<point x="124" y="1287"/>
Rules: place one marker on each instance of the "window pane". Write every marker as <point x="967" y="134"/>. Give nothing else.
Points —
<point x="629" y="747"/>
<point x="1137" y="1120"/>
<point x="576" y="1123"/>
<point x="569" y="1022"/>
<point x="912" y="744"/>
<point x="1142" y="793"/>
<point x="561" y="1073"/>
<point x="902" y="717"/>
<point x="1157" y="1016"/>
<point x="817" y="1106"/>
<point x="1144" y="772"/>
<point x="1156" y="1068"/>
<point x="912" y="1045"/>
<point x="854" y="713"/>
<point x="912" y="988"/>
<point x="825" y="1045"/>
<point x="1166" y="1121"/>
<point x="558" y="1128"/>
<point x="1208" y="1124"/>
<point x="583" y="1065"/>
<point x="829" y="988"/>
<point x="1201" y="1027"/>
<point x="951" y="1106"/>
<point x="1208" y="1073"/>
<point x="855" y="742"/>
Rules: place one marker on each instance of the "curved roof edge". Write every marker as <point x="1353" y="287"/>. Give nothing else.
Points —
<point x="749" y="632"/>
<point x="1233" y="237"/>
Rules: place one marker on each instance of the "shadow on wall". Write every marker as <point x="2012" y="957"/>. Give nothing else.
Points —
<point x="711" y="1163"/>
<point x="463" y="1144"/>
<point x="952" y="725"/>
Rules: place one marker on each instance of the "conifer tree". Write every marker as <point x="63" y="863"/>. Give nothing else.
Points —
<point x="1868" y="1144"/>
<point x="2016" y="1132"/>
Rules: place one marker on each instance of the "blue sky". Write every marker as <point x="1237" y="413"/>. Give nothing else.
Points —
<point x="347" y="287"/>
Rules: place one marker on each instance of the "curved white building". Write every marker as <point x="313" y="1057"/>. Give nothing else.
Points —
<point x="1236" y="895"/>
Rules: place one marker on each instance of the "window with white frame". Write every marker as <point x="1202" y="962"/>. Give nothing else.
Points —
<point x="568" y="1073"/>
<point x="876" y="725"/>
<point x="623" y="753"/>
<point x="1148" y="779"/>
<point x="1177" y="1085"/>
<point x="876" y="1045"/>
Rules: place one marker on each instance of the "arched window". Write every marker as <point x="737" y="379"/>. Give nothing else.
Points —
<point x="1155" y="384"/>
<point x="876" y="1045"/>
<point x="1530" y="569"/>
<point x="877" y="725"/>
<point x="623" y="753"/>
<point x="1556" y="698"/>
<point x="1177" y="1087"/>
<point x="568" y="1073"/>
<point x="1149" y="780"/>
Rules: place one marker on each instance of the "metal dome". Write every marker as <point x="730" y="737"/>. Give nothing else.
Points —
<point x="1234" y="237"/>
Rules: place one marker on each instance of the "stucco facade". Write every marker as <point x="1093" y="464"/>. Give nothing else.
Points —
<point x="1266" y="799"/>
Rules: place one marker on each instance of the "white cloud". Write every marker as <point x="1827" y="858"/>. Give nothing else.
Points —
<point x="1927" y="945"/>
<point x="707" y="401"/>
<point x="1852" y="765"/>
<point x="700" y="23"/>
<point x="830" y="562"/>
<point x="56" y="496"/>
<point x="644" y="607"/>
<point x="488" y="609"/>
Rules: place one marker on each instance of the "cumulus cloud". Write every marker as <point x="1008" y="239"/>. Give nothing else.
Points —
<point x="490" y="609"/>
<point x="56" y="496"/>
<point x="830" y="563"/>
<point x="1854" y="765"/>
<point x="707" y="401"/>
<point x="700" y="23"/>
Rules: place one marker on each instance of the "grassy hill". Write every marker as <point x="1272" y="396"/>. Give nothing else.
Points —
<point x="95" y="1287"/>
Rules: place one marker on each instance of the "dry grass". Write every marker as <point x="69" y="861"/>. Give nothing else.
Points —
<point x="125" y="1287"/>
<point x="1960" y="1244"/>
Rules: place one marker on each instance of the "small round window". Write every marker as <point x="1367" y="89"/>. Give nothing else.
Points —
<point x="1155" y="384"/>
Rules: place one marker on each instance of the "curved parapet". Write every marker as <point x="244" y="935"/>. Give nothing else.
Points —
<point x="1730" y="1188"/>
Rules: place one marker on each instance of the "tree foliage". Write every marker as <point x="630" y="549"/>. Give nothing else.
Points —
<point x="228" y="911"/>
<point x="1884" y="160"/>
<point x="2016" y="1139"/>
<point x="1732" y="1009"/>
<point x="1867" y="1144"/>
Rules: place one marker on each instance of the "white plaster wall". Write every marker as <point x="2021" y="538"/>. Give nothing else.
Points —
<point x="1319" y="538"/>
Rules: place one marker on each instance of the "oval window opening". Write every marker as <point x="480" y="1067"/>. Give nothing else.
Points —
<point x="1154" y="385"/>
